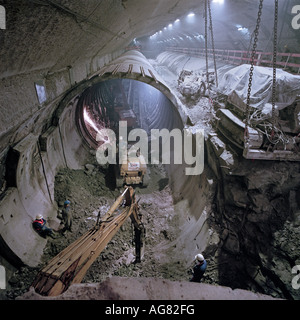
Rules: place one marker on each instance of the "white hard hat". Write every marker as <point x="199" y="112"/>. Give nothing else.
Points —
<point x="39" y="217"/>
<point x="199" y="257"/>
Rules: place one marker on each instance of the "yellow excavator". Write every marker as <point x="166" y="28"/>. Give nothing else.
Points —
<point x="72" y="263"/>
<point x="132" y="172"/>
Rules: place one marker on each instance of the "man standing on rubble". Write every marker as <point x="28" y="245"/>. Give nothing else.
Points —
<point x="199" y="268"/>
<point x="67" y="217"/>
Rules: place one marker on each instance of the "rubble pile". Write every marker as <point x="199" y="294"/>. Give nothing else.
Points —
<point x="92" y="189"/>
<point x="258" y="218"/>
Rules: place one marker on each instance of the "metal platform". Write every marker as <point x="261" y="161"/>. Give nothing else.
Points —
<point x="232" y="128"/>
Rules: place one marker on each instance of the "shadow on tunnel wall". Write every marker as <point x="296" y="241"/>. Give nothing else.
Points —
<point x="9" y="255"/>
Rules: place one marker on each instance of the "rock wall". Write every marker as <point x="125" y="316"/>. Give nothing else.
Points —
<point x="253" y="217"/>
<point x="258" y="218"/>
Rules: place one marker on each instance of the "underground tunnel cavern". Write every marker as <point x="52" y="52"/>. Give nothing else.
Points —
<point x="242" y="212"/>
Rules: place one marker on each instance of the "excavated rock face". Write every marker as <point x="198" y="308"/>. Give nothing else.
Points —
<point x="258" y="215"/>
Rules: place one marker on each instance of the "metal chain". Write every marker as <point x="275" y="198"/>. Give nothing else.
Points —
<point x="253" y="53"/>
<point x="212" y="42"/>
<point x="206" y="53"/>
<point x="274" y="68"/>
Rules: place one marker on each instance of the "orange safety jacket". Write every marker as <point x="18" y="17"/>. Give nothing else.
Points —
<point x="38" y="224"/>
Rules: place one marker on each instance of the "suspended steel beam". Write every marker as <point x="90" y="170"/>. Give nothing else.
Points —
<point x="72" y="263"/>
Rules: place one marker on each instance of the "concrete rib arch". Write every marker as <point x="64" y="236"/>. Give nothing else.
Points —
<point x="63" y="146"/>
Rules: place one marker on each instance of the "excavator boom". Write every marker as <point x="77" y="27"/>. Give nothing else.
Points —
<point x="72" y="263"/>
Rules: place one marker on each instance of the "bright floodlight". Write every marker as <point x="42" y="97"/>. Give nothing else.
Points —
<point x="190" y="15"/>
<point x="218" y="1"/>
<point x="177" y="20"/>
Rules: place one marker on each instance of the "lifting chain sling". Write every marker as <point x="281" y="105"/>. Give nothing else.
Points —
<point x="274" y="69"/>
<point x="252" y="60"/>
<point x="206" y="46"/>
<point x="207" y="15"/>
<point x="212" y="42"/>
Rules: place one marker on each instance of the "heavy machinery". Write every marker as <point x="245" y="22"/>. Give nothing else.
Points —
<point x="132" y="171"/>
<point x="193" y="84"/>
<point x="71" y="264"/>
<point x="268" y="100"/>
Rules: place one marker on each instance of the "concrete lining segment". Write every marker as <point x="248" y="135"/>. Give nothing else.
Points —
<point x="134" y="65"/>
<point x="64" y="146"/>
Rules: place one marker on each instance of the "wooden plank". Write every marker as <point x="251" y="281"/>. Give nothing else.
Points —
<point x="65" y="253"/>
<point x="71" y="265"/>
<point x="65" y="257"/>
<point x="111" y="231"/>
<point x="57" y="289"/>
<point x="74" y="266"/>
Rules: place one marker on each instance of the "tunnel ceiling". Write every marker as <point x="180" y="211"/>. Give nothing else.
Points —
<point x="55" y="34"/>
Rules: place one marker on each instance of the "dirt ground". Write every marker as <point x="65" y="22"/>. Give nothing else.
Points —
<point x="92" y="189"/>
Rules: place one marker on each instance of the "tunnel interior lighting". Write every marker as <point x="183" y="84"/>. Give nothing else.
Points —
<point x="40" y="91"/>
<point x="242" y="29"/>
<point x="190" y="15"/>
<point x="103" y="105"/>
<point x="177" y="20"/>
<point x="218" y="1"/>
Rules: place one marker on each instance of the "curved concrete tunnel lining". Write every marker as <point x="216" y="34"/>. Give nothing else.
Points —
<point x="84" y="60"/>
<point x="146" y="108"/>
<point x="182" y="186"/>
<point x="73" y="153"/>
<point x="63" y="146"/>
<point x="34" y="191"/>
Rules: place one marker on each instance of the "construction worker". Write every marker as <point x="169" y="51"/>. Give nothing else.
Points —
<point x="39" y="225"/>
<point x="67" y="216"/>
<point x="199" y="268"/>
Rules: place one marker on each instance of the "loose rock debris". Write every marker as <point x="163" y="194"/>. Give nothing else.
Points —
<point x="91" y="190"/>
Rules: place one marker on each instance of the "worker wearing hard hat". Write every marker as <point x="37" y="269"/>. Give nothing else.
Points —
<point x="39" y="225"/>
<point x="199" y="268"/>
<point x="67" y="216"/>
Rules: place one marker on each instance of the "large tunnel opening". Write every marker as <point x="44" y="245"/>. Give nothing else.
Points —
<point x="224" y="212"/>
<point x="140" y="105"/>
<point x="91" y="188"/>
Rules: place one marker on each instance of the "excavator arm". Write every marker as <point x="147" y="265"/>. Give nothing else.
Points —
<point x="72" y="263"/>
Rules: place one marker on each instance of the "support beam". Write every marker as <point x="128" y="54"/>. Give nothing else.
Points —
<point x="71" y="264"/>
